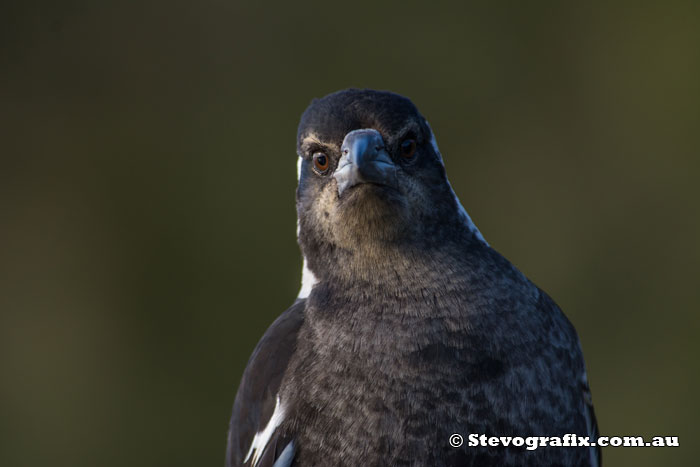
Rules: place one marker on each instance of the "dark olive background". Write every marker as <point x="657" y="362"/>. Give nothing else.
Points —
<point x="147" y="223"/>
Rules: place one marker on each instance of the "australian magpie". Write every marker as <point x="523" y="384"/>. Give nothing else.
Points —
<point x="409" y="327"/>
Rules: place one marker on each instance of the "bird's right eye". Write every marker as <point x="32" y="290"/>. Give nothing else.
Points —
<point x="321" y="162"/>
<point x="408" y="148"/>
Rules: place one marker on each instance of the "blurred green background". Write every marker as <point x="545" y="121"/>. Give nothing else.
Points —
<point x="147" y="177"/>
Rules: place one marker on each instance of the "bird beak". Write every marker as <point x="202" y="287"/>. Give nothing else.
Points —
<point x="364" y="160"/>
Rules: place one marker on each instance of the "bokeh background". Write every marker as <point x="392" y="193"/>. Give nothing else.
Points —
<point x="147" y="177"/>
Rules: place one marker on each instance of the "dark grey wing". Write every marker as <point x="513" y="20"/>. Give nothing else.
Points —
<point x="257" y="411"/>
<point x="593" y="433"/>
<point x="548" y="305"/>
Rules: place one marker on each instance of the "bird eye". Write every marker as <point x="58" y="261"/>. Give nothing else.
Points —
<point x="408" y="148"/>
<point x="321" y="162"/>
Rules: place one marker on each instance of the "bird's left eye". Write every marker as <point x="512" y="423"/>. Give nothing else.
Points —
<point x="408" y="148"/>
<point x="321" y="162"/>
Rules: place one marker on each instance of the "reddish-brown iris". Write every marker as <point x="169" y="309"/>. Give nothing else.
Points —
<point x="321" y="162"/>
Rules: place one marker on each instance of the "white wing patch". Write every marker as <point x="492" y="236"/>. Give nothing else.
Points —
<point x="263" y="437"/>
<point x="463" y="212"/>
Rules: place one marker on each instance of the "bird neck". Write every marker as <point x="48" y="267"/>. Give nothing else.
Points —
<point x="396" y="265"/>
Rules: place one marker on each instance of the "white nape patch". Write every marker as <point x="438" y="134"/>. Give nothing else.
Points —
<point x="463" y="212"/>
<point x="263" y="437"/>
<point x="308" y="280"/>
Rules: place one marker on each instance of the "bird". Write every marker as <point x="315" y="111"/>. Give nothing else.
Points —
<point x="409" y="327"/>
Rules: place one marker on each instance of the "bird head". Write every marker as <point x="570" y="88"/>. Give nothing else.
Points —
<point x="370" y="177"/>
